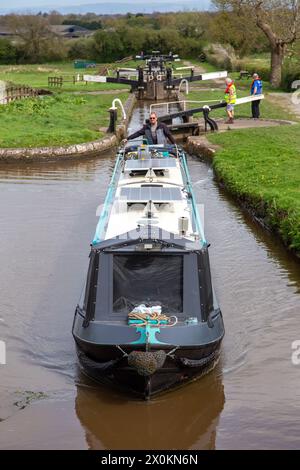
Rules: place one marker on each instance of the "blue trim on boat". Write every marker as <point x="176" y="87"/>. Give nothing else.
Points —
<point x="147" y="335"/>
<point x="103" y="219"/>
<point x="194" y="206"/>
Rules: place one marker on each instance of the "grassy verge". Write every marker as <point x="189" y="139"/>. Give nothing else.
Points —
<point x="37" y="75"/>
<point x="61" y="119"/>
<point x="206" y="65"/>
<point x="261" y="167"/>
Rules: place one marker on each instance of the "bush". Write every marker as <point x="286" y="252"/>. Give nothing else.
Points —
<point x="49" y="50"/>
<point x="291" y="73"/>
<point x="263" y="71"/>
<point x="8" y="52"/>
<point x="222" y="56"/>
<point x="107" y="46"/>
<point x="81" y="48"/>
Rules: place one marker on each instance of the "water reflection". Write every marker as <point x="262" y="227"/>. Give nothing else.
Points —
<point x="184" y="419"/>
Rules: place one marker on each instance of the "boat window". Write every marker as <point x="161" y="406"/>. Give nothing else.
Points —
<point x="147" y="279"/>
<point x="144" y="172"/>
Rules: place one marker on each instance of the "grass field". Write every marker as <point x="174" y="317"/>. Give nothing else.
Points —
<point x="37" y="75"/>
<point x="262" y="168"/>
<point x="60" y="119"/>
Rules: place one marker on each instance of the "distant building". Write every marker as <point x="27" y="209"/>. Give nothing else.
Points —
<point x="6" y="32"/>
<point x="71" y="31"/>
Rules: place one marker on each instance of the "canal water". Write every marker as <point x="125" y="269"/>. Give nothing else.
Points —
<point x="252" y="399"/>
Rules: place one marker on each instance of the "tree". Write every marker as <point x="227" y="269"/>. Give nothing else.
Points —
<point x="107" y="46"/>
<point x="54" y="17"/>
<point x="192" y="24"/>
<point x="279" y="20"/>
<point x="33" y="32"/>
<point x="237" y="30"/>
<point x="8" y="52"/>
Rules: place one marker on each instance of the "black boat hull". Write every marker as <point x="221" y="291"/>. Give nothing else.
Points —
<point x="176" y="371"/>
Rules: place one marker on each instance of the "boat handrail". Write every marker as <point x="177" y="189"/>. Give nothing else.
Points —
<point x="165" y="183"/>
<point x="107" y="202"/>
<point x="192" y="198"/>
<point x="157" y="147"/>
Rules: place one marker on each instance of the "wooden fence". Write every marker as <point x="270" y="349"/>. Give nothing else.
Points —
<point x="18" y="92"/>
<point x="60" y="81"/>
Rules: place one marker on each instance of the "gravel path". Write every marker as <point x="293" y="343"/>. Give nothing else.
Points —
<point x="288" y="101"/>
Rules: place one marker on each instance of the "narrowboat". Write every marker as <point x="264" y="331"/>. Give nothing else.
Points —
<point x="148" y="320"/>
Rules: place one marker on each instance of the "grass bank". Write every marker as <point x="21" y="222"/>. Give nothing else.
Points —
<point x="61" y="119"/>
<point x="36" y="76"/>
<point x="64" y="118"/>
<point x="261" y="167"/>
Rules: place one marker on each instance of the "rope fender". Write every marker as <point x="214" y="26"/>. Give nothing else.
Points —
<point x="146" y="363"/>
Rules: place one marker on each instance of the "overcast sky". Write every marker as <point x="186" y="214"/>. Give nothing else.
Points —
<point x="109" y="6"/>
<point x="34" y="3"/>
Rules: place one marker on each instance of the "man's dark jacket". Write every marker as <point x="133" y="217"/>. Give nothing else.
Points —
<point x="162" y="133"/>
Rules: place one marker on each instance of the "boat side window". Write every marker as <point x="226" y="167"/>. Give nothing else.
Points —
<point x="148" y="279"/>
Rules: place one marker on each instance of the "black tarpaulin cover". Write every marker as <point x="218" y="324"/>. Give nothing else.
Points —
<point x="147" y="279"/>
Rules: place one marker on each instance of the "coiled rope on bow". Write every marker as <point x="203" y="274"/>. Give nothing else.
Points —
<point x="154" y="318"/>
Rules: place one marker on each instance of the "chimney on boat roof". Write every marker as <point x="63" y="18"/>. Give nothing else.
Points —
<point x="183" y="225"/>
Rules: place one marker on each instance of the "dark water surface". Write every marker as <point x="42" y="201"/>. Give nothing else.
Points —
<point x="252" y="400"/>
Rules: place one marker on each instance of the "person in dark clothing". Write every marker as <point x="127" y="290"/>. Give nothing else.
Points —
<point x="155" y="132"/>
<point x="256" y="89"/>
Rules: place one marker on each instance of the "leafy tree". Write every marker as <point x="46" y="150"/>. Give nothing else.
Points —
<point x="82" y="49"/>
<point x="238" y="30"/>
<point x="192" y="24"/>
<point x="54" y="17"/>
<point x="279" y="20"/>
<point x="107" y="46"/>
<point x="33" y="33"/>
<point x="133" y="40"/>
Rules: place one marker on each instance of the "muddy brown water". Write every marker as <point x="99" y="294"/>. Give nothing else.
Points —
<point x="252" y="399"/>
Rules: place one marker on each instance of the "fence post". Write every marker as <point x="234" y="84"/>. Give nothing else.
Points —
<point x="113" y="116"/>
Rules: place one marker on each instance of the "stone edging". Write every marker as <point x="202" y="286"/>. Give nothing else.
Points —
<point x="199" y="145"/>
<point x="70" y="151"/>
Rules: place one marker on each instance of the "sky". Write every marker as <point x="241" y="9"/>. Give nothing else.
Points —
<point x="66" y="5"/>
<point x="34" y="3"/>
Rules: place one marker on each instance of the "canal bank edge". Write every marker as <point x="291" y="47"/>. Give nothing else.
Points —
<point x="201" y="147"/>
<point x="86" y="149"/>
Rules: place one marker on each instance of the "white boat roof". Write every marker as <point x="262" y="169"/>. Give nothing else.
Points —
<point x="150" y="192"/>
